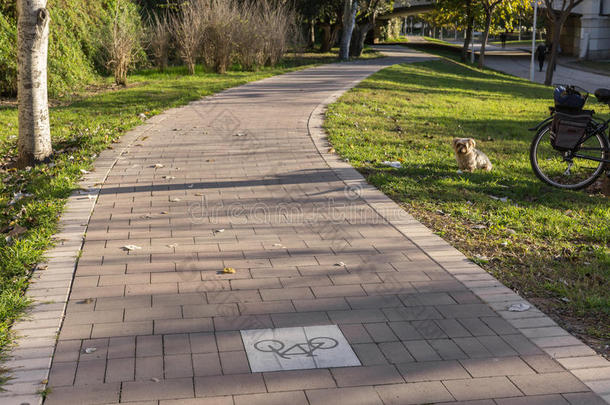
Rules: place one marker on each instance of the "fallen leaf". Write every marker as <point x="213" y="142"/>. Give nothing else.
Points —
<point x="228" y="270"/>
<point x="87" y="301"/>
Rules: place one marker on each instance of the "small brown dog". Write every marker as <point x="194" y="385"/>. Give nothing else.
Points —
<point x="468" y="158"/>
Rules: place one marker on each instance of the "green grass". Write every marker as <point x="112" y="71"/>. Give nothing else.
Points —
<point x="599" y="66"/>
<point x="81" y="128"/>
<point x="553" y="246"/>
<point x="517" y="43"/>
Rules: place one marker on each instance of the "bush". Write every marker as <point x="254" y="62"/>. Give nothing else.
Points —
<point x="121" y="38"/>
<point x="186" y="27"/>
<point x="159" y="37"/>
<point x="75" y="58"/>
<point x="8" y="57"/>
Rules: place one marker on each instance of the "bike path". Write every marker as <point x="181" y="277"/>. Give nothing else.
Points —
<point x="353" y="300"/>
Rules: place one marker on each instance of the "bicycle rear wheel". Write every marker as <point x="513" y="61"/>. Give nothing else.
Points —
<point x="558" y="169"/>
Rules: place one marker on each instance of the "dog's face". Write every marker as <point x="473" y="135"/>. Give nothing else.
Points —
<point x="463" y="145"/>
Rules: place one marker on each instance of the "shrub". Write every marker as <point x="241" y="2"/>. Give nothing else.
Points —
<point x="121" y="40"/>
<point x="221" y="27"/>
<point x="186" y="27"/>
<point x="8" y="57"/>
<point x="159" y="37"/>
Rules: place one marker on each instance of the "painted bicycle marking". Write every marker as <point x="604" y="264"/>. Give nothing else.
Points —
<point x="305" y="349"/>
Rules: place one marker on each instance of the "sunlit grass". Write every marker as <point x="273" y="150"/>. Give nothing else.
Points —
<point x="551" y="245"/>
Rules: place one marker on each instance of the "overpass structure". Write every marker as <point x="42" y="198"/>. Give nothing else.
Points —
<point x="403" y="8"/>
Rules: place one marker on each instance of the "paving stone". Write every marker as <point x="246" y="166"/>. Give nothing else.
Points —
<point x="86" y="394"/>
<point x="62" y="374"/>
<point x="149" y="367"/>
<point x="533" y="400"/>
<point x="206" y="364"/>
<point x="482" y="388"/>
<point x="298" y="380"/>
<point x="366" y="375"/>
<point x="226" y="400"/>
<point x="432" y="371"/>
<point x="90" y="372"/>
<point x="369" y="354"/>
<point x="413" y="393"/>
<point x="152" y="390"/>
<point x="234" y="384"/>
<point x="501" y="366"/>
<point x="352" y="396"/>
<point x="380" y="332"/>
<point x="586" y="398"/>
<point x="395" y="352"/>
<point x="118" y="370"/>
<point x="550" y="383"/>
<point x="272" y="398"/>
<point x="355" y="333"/>
<point x="543" y="364"/>
<point x="177" y="366"/>
<point x="234" y="362"/>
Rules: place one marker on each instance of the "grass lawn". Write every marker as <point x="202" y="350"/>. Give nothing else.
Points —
<point x="599" y="66"/>
<point x="517" y="43"/>
<point x="81" y="128"/>
<point x="550" y="245"/>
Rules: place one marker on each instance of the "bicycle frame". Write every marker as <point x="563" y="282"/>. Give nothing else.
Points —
<point x="601" y="129"/>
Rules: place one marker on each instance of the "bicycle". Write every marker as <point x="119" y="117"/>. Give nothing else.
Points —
<point x="571" y="147"/>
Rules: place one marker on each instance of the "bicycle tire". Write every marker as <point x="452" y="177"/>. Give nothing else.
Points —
<point x="580" y="185"/>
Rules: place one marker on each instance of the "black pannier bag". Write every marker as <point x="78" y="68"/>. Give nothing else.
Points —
<point x="568" y="130"/>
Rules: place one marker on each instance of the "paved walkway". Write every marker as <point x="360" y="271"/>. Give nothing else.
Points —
<point x="243" y="180"/>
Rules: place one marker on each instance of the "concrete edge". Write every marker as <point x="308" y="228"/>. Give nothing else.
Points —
<point x="575" y="356"/>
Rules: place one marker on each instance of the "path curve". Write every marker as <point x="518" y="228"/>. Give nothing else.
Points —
<point x="243" y="179"/>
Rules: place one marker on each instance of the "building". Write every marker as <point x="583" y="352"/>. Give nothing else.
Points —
<point x="587" y="31"/>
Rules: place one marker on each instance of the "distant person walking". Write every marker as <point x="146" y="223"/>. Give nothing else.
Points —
<point x="503" y="39"/>
<point x="541" y="52"/>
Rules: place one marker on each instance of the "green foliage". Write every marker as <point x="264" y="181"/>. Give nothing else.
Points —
<point x="75" y="59"/>
<point x="8" y="56"/>
<point x="390" y="30"/>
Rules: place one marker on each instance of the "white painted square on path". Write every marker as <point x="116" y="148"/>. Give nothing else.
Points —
<point x="297" y="348"/>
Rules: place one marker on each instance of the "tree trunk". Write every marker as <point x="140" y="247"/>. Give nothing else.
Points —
<point x="32" y="47"/>
<point x="358" y="38"/>
<point x="550" y="67"/>
<point x="311" y="35"/>
<point x="349" y="16"/>
<point x="485" y="38"/>
<point x="326" y="44"/>
<point x="468" y="36"/>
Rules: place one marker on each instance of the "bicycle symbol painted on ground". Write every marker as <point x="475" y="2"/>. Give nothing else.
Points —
<point x="306" y="349"/>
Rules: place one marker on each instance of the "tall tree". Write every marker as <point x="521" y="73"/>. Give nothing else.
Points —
<point x="489" y="6"/>
<point x="365" y="21"/>
<point x="557" y="18"/>
<point x="350" y="8"/>
<point x="34" y="142"/>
